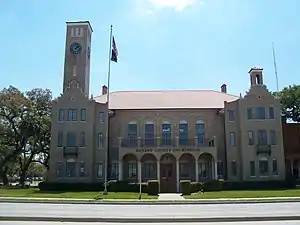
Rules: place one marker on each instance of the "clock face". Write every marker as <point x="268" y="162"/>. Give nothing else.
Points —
<point x="75" y="48"/>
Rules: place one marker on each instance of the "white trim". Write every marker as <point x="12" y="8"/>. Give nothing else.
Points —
<point x="78" y="23"/>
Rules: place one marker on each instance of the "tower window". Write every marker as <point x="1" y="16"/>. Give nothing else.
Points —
<point x="258" y="79"/>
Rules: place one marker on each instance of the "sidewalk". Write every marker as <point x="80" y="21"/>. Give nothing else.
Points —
<point x="149" y="201"/>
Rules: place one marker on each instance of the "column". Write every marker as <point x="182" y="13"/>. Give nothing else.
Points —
<point x="197" y="170"/>
<point x="212" y="168"/>
<point x="216" y="170"/>
<point x="176" y="141"/>
<point x="158" y="174"/>
<point x="177" y="175"/>
<point x="120" y="170"/>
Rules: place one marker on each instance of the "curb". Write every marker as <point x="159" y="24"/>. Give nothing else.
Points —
<point x="145" y="202"/>
<point x="150" y="220"/>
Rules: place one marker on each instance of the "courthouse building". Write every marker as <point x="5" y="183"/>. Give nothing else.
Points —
<point x="165" y="135"/>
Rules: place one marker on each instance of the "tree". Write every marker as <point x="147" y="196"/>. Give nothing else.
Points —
<point x="15" y="127"/>
<point x="25" y="120"/>
<point x="290" y="101"/>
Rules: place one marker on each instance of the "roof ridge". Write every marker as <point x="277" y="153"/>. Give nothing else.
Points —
<point x="175" y="90"/>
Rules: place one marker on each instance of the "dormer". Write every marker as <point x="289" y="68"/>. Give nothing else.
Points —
<point x="256" y="77"/>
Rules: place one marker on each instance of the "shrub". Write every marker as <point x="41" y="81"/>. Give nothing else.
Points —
<point x="259" y="185"/>
<point x="58" y="186"/>
<point x="153" y="187"/>
<point x="125" y="186"/>
<point x="214" y="185"/>
<point x="185" y="187"/>
<point x="196" y="187"/>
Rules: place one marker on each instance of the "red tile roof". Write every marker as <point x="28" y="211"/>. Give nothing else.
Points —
<point x="177" y="99"/>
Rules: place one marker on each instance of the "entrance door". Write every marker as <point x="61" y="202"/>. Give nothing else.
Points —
<point x="167" y="178"/>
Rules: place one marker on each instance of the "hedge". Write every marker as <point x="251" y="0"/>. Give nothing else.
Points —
<point x="55" y="186"/>
<point x="153" y="187"/>
<point x="185" y="187"/>
<point x="125" y="186"/>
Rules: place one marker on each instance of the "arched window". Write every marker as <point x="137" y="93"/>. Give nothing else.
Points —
<point x="132" y="133"/>
<point x="71" y="168"/>
<point x="183" y="133"/>
<point x="200" y="132"/>
<point x="263" y="166"/>
<point x="166" y="133"/>
<point x="149" y="134"/>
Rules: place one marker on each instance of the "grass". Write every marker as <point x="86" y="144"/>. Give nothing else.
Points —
<point x="36" y="193"/>
<point x="246" y="194"/>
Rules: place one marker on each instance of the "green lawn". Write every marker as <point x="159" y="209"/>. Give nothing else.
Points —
<point x="246" y="194"/>
<point x="36" y="193"/>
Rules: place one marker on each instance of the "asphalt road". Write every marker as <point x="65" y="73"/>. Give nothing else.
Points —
<point x="123" y="213"/>
<point x="229" y="223"/>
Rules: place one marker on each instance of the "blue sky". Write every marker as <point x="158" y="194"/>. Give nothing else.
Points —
<point x="163" y="44"/>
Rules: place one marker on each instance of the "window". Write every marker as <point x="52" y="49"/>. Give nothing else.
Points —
<point x="132" y="133"/>
<point x="220" y="168"/>
<point x="231" y="115"/>
<point x="81" y="169"/>
<point x="132" y="170"/>
<point x="232" y="138"/>
<point x="252" y="168"/>
<point x="262" y="137"/>
<point x="59" y="171"/>
<point x="149" y="134"/>
<point x="83" y="114"/>
<point x="61" y="115"/>
<point x="250" y="138"/>
<point x="185" y="170"/>
<point x="200" y="132"/>
<point x="203" y="170"/>
<point x="114" y="172"/>
<point x="233" y="168"/>
<point x="183" y="133"/>
<point x="101" y="116"/>
<point x="149" y="170"/>
<point x="263" y="167"/>
<point x="71" y="139"/>
<point x="71" y="168"/>
<point x="82" y="139"/>
<point x="72" y="115"/>
<point x="273" y="137"/>
<point x="260" y="113"/>
<point x="72" y="32"/>
<point x="166" y="133"/>
<point x="100" y="170"/>
<point x="60" y="137"/>
<point x="271" y="113"/>
<point x="275" y="168"/>
<point x="249" y="113"/>
<point x="100" y="140"/>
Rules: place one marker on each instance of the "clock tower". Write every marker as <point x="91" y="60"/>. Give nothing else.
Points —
<point x="77" y="55"/>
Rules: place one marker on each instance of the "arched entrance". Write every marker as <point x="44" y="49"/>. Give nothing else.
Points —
<point x="187" y="167"/>
<point x="130" y="170"/>
<point x="149" y="167"/>
<point x="205" y="167"/>
<point x="167" y="173"/>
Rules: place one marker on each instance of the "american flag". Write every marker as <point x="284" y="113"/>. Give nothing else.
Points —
<point x="114" y="51"/>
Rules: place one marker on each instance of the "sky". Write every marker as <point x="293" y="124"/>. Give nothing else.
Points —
<point x="162" y="44"/>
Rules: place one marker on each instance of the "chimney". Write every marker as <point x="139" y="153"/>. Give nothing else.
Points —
<point x="104" y="90"/>
<point x="224" y="88"/>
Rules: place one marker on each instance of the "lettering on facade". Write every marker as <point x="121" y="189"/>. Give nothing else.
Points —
<point x="166" y="150"/>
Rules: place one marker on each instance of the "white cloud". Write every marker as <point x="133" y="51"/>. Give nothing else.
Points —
<point x="176" y="5"/>
<point x="150" y="7"/>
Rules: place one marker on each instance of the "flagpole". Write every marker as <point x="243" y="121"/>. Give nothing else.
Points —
<point x="107" y="113"/>
<point x="275" y="66"/>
